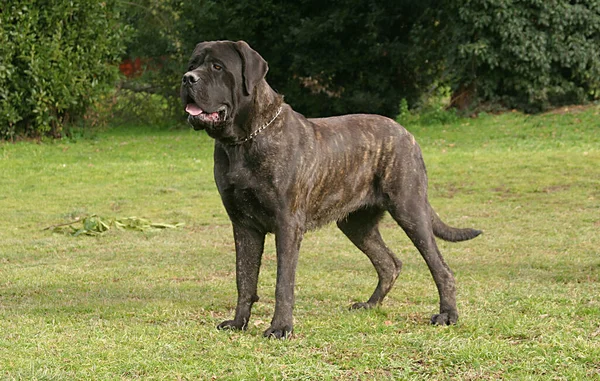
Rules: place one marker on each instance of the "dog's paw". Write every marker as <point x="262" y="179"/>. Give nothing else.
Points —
<point x="444" y="319"/>
<point x="233" y="325"/>
<point x="278" y="332"/>
<point x="361" y="306"/>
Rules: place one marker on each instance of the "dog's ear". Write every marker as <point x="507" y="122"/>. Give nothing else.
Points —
<point x="254" y="67"/>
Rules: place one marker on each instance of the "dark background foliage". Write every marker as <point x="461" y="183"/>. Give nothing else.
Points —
<point x="327" y="58"/>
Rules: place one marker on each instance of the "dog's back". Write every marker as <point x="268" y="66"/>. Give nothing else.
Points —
<point x="349" y="163"/>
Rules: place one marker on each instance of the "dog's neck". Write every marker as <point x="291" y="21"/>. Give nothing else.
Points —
<point x="266" y="103"/>
<point x="260" y="113"/>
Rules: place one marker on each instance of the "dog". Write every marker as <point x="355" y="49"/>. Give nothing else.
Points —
<point x="279" y="172"/>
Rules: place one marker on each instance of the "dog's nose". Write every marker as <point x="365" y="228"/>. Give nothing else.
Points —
<point x="190" y="78"/>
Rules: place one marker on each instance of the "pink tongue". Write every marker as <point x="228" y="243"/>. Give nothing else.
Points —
<point x="193" y="110"/>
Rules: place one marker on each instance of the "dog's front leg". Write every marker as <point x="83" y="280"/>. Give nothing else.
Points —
<point x="249" y="245"/>
<point x="287" y="240"/>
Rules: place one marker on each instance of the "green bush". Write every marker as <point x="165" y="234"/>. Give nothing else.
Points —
<point x="56" y="59"/>
<point x="530" y="55"/>
<point x="431" y="110"/>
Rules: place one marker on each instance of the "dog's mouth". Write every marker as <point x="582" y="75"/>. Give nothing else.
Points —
<point x="198" y="117"/>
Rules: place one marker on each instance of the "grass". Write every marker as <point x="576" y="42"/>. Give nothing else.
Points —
<point x="144" y="305"/>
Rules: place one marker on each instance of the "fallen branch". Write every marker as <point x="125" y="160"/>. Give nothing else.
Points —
<point x="95" y="225"/>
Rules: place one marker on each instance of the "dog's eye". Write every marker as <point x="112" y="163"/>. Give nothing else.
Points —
<point x="217" y="67"/>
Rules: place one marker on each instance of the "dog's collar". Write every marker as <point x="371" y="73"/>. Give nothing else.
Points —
<point x="258" y="130"/>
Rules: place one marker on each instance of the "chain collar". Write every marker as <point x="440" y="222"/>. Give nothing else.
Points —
<point x="258" y="130"/>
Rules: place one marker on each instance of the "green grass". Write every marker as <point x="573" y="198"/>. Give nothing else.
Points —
<point x="135" y="305"/>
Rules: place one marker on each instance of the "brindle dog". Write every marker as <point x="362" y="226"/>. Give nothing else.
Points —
<point x="278" y="172"/>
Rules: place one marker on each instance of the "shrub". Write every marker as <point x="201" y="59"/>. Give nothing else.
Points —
<point x="529" y="55"/>
<point x="55" y="60"/>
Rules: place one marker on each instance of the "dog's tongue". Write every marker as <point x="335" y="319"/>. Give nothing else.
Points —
<point x="193" y="110"/>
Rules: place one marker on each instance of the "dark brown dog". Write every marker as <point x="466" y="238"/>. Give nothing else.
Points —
<point x="278" y="172"/>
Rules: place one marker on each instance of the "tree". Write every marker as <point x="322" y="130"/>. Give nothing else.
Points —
<point x="350" y="56"/>
<point x="326" y="57"/>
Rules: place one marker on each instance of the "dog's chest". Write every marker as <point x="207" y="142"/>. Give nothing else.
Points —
<point x="248" y="197"/>
<point x="240" y="178"/>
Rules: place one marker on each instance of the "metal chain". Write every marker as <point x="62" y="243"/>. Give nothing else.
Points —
<point x="257" y="131"/>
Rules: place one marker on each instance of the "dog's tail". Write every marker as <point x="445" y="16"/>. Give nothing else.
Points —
<point x="449" y="233"/>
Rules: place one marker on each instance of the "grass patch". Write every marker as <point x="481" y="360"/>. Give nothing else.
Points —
<point x="144" y="305"/>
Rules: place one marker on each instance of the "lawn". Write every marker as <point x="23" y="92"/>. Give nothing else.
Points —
<point x="144" y="304"/>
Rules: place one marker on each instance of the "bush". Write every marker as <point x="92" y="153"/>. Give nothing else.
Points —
<point x="529" y="55"/>
<point x="432" y="110"/>
<point x="55" y="60"/>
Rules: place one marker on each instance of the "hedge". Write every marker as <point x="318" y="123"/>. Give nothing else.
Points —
<point x="56" y="59"/>
<point x="524" y="54"/>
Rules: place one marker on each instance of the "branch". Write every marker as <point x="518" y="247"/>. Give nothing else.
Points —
<point x="139" y="87"/>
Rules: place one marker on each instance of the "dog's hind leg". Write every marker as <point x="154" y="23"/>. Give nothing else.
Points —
<point x="412" y="214"/>
<point x="361" y="228"/>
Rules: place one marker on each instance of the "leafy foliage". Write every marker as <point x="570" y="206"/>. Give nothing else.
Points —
<point x="94" y="225"/>
<point x="157" y="39"/>
<point x="55" y="61"/>
<point x="529" y="54"/>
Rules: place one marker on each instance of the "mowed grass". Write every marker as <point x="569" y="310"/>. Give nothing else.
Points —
<point x="144" y="305"/>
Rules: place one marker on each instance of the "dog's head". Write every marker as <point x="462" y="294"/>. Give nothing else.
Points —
<point x="219" y="85"/>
